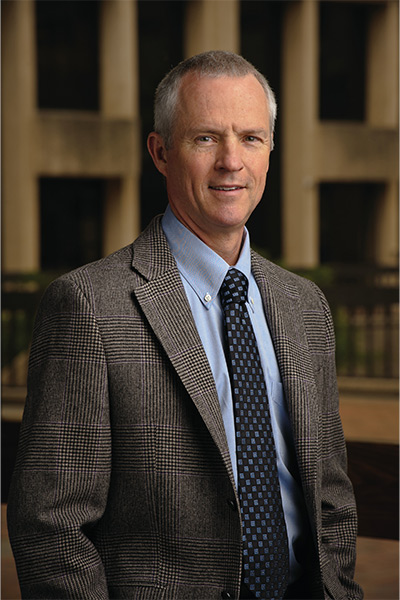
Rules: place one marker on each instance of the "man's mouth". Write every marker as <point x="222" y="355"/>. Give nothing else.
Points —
<point x="226" y="188"/>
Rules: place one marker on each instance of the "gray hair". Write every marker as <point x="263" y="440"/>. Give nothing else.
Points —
<point x="216" y="63"/>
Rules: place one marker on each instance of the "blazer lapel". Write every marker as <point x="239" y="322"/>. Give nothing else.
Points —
<point x="281" y="305"/>
<point x="164" y="303"/>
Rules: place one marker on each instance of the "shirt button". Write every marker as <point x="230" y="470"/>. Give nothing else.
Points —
<point x="232" y="504"/>
<point x="226" y="595"/>
<point x="207" y="297"/>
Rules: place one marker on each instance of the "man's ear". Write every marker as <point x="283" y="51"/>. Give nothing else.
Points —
<point x="156" y="147"/>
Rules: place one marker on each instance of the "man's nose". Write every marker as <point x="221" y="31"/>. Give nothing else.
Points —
<point x="229" y="156"/>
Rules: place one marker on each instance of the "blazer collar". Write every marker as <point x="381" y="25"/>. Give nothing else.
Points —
<point x="163" y="301"/>
<point x="151" y="254"/>
<point x="284" y="316"/>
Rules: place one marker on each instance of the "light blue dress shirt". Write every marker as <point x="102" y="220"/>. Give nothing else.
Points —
<point x="202" y="272"/>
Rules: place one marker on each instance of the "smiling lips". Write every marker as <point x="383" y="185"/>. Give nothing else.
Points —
<point x="226" y="188"/>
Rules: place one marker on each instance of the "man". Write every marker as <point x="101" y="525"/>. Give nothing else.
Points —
<point x="132" y="475"/>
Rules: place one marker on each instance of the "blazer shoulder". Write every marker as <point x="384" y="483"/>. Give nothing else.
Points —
<point x="100" y="272"/>
<point x="289" y="283"/>
<point x="120" y="259"/>
<point x="111" y="266"/>
<point x="107" y="282"/>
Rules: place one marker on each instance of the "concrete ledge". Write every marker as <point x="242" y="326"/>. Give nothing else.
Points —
<point x="347" y="151"/>
<point x="12" y="402"/>
<point x="85" y="144"/>
<point x="369" y="386"/>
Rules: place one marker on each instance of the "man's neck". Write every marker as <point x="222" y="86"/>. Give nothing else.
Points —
<point x="227" y="243"/>
<point x="228" y="247"/>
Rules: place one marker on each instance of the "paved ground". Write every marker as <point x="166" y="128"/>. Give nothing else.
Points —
<point x="377" y="569"/>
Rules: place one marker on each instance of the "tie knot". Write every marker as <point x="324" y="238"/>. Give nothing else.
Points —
<point x="234" y="288"/>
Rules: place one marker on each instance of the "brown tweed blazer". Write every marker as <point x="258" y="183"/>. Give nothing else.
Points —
<point x="123" y="486"/>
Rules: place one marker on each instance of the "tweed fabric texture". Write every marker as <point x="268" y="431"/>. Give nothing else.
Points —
<point x="123" y="486"/>
<point x="265" y="547"/>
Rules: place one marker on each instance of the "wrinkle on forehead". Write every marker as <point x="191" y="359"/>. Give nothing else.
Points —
<point x="233" y="102"/>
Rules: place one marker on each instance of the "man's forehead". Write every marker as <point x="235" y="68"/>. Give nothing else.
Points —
<point x="194" y="79"/>
<point x="199" y="93"/>
<point x="202" y="95"/>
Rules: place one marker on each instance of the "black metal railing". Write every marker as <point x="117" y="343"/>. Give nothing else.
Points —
<point x="364" y="303"/>
<point x="365" y="308"/>
<point x="20" y="299"/>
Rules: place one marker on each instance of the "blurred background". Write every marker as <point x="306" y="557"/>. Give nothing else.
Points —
<point x="78" y="79"/>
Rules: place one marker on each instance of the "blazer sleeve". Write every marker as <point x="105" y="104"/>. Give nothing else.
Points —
<point x="338" y="508"/>
<point x="61" y="479"/>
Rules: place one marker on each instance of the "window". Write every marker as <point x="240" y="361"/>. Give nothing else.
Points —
<point x="71" y="222"/>
<point x="68" y="54"/>
<point x="343" y="30"/>
<point x="347" y="212"/>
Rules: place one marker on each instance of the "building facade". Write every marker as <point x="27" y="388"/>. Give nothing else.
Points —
<point x="76" y="181"/>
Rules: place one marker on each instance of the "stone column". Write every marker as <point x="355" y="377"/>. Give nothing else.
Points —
<point x="382" y="101"/>
<point x="382" y="112"/>
<point x="119" y="100"/>
<point x="299" y="114"/>
<point x="386" y="247"/>
<point x="211" y="25"/>
<point x="20" y="214"/>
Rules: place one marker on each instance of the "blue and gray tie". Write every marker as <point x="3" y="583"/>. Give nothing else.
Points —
<point x="265" y="554"/>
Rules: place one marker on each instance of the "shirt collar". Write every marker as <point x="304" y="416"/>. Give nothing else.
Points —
<point x="203" y="269"/>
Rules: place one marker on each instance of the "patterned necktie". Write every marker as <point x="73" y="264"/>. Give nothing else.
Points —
<point x="265" y="554"/>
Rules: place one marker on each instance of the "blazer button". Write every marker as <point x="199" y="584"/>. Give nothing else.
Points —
<point x="232" y="504"/>
<point x="226" y="595"/>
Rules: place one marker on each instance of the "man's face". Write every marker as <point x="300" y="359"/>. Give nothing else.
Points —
<point x="217" y="165"/>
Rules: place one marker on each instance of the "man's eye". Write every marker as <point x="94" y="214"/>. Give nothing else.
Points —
<point x="203" y="139"/>
<point x="251" y="138"/>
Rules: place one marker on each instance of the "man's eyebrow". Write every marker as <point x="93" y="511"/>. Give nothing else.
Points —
<point x="250" y="131"/>
<point x="262" y="132"/>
